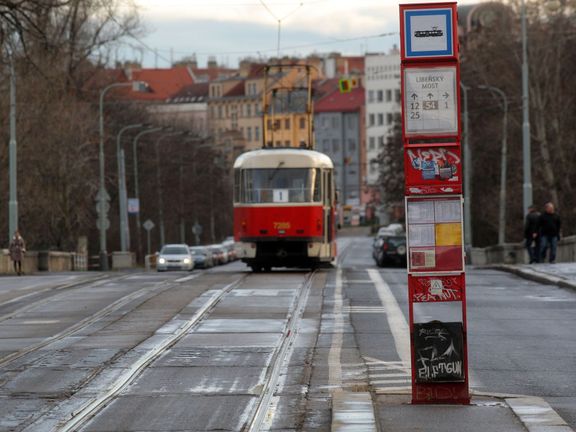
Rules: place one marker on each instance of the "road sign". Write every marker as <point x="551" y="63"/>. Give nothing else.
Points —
<point x="197" y="229"/>
<point x="133" y="205"/>
<point x="104" y="195"/>
<point x="148" y="225"/>
<point x="428" y="32"/>
<point x="106" y="207"/>
<point x="430" y="101"/>
<point x="106" y="224"/>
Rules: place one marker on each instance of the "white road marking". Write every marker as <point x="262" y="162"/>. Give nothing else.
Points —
<point x="334" y="365"/>
<point x="396" y="321"/>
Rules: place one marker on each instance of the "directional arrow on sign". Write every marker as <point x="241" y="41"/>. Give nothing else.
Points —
<point x="430" y="95"/>
<point x="445" y="95"/>
<point x="414" y="96"/>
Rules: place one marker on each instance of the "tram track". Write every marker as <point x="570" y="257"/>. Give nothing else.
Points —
<point x="140" y="294"/>
<point x="262" y="409"/>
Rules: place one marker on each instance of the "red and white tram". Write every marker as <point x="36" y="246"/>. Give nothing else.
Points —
<point x="284" y="208"/>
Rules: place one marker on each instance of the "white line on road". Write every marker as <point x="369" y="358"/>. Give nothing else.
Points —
<point x="396" y="321"/>
<point x="334" y="365"/>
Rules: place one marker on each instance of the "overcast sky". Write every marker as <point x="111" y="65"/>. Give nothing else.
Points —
<point x="233" y="29"/>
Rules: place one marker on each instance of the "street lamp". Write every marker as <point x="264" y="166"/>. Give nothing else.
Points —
<point x="122" y="194"/>
<point x="103" y="196"/>
<point x="502" y="213"/>
<point x="526" y="155"/>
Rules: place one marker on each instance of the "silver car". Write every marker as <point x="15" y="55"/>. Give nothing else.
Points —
<point x="175" y="257"/>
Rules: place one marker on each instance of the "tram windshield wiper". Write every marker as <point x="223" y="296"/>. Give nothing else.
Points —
<point x="273" y="173"/>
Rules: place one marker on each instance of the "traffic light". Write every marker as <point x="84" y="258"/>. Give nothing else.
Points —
<point x="344" y="85"/>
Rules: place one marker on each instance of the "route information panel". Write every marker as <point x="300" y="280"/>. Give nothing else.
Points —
<point x="430" y="101"/>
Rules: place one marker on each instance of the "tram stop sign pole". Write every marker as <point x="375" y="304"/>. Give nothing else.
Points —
<point x="431" y="133"/>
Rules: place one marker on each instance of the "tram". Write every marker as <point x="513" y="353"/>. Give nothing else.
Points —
<point x="284" y="208"/>
<point x="284" y="196"/>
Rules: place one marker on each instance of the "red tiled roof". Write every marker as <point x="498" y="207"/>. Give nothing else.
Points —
<point x="162" y="83"/>
<point x="341" y="102"/>
<point x="192" y="92"/>
<point x="237" y="90"/>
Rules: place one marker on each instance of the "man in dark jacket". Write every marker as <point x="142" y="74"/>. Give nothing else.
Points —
<point x="549" y="230"/>
<point x="532" y="240"/>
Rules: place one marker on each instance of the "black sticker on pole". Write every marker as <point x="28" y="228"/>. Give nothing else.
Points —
<point x="439" y="352"/>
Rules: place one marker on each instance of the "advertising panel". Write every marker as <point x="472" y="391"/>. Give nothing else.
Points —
<point x="433" y="169"/>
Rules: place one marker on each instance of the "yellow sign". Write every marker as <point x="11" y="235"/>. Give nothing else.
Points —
<point x="448" y="234"/>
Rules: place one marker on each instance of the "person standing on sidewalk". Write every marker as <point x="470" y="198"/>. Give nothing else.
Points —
<point x="17" y="248"/>
<point x="532" y="240"/>
<point x="549" y="230"/>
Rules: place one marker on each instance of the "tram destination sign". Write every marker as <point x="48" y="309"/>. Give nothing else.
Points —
<point x="430" y="101"/>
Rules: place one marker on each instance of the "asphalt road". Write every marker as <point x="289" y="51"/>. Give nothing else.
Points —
<point x="225" y="349"/>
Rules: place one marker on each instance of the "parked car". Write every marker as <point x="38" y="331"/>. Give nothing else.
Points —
<point x="230" y="247"/>
<point x="175" y="257"/>
<point x="218" y="254"/>
<point x="202" y="257"/>
<point x="389" y="249"/>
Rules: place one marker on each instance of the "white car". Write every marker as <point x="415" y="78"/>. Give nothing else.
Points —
<point x="175" y="257"/>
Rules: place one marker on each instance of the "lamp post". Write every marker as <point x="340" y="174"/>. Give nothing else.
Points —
<point x="103" y="196"/>
<point x="122" y="194"/>
<point x="136" y="185"/>
<point x="13" y="200"/>
<point x="502" y="212"/>
<point x="526" y="155"/>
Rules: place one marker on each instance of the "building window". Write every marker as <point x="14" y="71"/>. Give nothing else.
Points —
<point x="335" y="145"/>
<point x="397" y="95"/>
<point x="370" y="96"/>
<point x="351" y="144"/>
<point x="371" y="120"/>
<point x="388" y="95"/>
<point x="286" y="143"/>
<point x="326" y="145"/>
<point x="269" y="124"/>
<point x="302" y="123"/>
<point x="256" y="133"/>
<point x="380" y="96"/>
<point x="334" y="122"/>
<point x="219" y="112"/>
<point x="351" y="122"/>
<point x="389" y="118"/>
<point x="248" y="110"/>
<point x="287" y="124"/>
<point x="371" y="143"/>
<point x="380" y="119"/>
<point x="277" y="125"/>
<point x="381" y="142"/>
<point x="249" y="134"/>
<point x="278" y="143"/>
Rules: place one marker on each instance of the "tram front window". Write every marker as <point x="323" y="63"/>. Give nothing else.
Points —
<point x="277" y="185"/>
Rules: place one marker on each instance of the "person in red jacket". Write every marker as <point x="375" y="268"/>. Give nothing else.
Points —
<point x="549" y="225"/>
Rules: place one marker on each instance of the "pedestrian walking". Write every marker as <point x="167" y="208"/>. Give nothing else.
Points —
<point x="531" y="238"/>
<point x="17" y="248"/>
<point x="549" y="225"/>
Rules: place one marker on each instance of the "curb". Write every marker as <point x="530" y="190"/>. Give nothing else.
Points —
<point x="533" y="275"/>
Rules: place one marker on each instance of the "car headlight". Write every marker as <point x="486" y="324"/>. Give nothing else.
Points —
<point x="162" y="260"/>
<point x="186" y="260"/>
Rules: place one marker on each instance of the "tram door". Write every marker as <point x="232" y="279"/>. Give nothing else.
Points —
<point x="327" y="207"/>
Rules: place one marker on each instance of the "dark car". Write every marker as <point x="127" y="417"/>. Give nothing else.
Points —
<point x="389" y="249"/>
<point x="202" y="257"/>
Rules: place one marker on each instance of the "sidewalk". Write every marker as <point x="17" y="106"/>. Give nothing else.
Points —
<point x="561" y="274"/>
